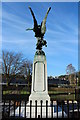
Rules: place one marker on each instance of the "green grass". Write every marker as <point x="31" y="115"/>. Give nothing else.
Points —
<point x="6" y="92"/>
<point x="63" y="97"/>
<point x="62" y="89"/>
<point x="24" y="92"/>
<point x="52" y="91"/>
<point x="18" y="92"/>
<point x="56" y="92"/>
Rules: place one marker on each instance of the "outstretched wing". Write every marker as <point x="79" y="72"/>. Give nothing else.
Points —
<point x="43" y="24"/>
<point x="35" y="21"/>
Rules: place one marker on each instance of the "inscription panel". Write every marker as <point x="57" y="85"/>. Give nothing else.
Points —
<point x="39" y="77"/>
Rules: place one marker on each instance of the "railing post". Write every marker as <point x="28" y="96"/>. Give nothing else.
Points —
<point x="46" y="109"/>
<point x="9" y="109"/>
<point x="3" y="108"/>
<point x="14" y="108"/>
<point x="57" y="108"/>
<point x="36" y="109"/>
<point x="78" y="108"/>
<point x="20" y="109"/>
<point x="62" y="109"/>
<point x="68" y="107"/>
<point x="51" y="109"/>
<point x="30" y="107"/>
<point x="73" y="109"/>
<point x="41" y="108"/>
<point x="25" y="109"/>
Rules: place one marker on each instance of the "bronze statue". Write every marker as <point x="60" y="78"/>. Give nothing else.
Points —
<point x="39" y="30"/>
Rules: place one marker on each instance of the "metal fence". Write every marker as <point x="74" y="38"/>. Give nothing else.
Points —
<point x="59" y="109"/>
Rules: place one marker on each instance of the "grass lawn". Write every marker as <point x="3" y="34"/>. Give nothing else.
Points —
<point x="6" y="92"/>
<point x="53" y="93"/>
<point x="15" y="92"/>
<point x="63" y="97"/>
<point x="62" y="94"/>
<point x="24" y="92"/>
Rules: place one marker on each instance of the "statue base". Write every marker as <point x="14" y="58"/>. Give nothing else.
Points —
<point x="40" y="52"/>
<point x="39" y="90"/>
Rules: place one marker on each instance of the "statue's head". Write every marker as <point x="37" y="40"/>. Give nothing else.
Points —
<point x="39" y="26"/>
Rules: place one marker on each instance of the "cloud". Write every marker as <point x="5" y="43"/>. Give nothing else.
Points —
<point x="19" y="42"/>
<point x="13" y="18"/>
<point x="14" y="21"/>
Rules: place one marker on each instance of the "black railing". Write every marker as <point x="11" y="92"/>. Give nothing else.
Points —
<point x="58" y="109"/>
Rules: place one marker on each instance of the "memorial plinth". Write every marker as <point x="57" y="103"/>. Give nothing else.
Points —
<point x="39" y="90"/>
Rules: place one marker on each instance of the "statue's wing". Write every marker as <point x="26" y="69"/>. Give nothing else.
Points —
<point x="35" y="21"/>
<point x="43" y="24"/>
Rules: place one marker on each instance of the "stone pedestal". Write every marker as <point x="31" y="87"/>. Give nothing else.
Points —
<point x="39" y="90"/>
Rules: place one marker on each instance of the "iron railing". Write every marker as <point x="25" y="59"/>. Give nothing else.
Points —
<point x="59" y="109"/>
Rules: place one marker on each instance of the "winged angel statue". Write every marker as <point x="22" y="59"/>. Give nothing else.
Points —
<point x="39" y="30"/>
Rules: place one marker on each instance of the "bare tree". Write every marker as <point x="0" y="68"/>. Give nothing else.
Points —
<point x="10" y="63"/>
<point x="26" y="70"/>
<point x="70" y="71"/>
<point x="15" y="64"/>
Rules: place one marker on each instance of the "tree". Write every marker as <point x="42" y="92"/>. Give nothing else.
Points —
<point x="10" y="63"/>
<point x="13" y="64"/>
<point x="70" y="71"/>
<point x="79" y="78"/>
<point x="26" y="70"/>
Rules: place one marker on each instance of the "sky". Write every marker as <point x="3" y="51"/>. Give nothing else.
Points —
<point x="61" y="32"/>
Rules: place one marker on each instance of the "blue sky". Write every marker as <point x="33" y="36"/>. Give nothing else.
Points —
<point x="61" y="34"/>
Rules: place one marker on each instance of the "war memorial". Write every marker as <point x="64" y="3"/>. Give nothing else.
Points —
<point x="39" y="90"/>
<point x="39" y="104"/>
